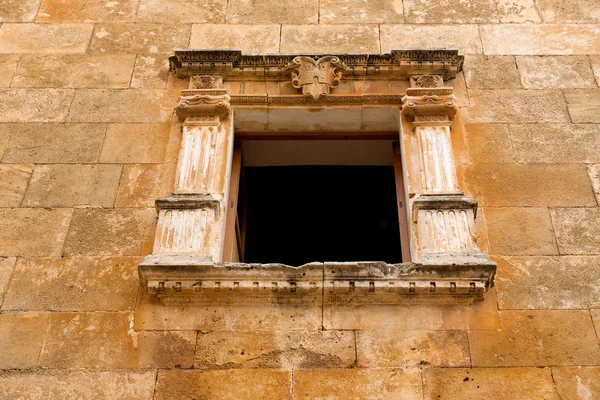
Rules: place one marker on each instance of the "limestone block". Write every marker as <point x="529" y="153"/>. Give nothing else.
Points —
<point x="107" y="340"/>
<point x="199" y="11"/>
<point x="21" y="339"/>
<point x="226" y="385"/>
<point x="488" y="383"/>
<point x="489" y="143"/>
<point x="74" y="71"/>
<point x="520" y="231"/>
<point x="135" y="143"/>
<point x="150" y="72"/>
<point x="491" y="72"/>
<point x="368" y="384"/>
<point x="518" y="106"/>
<point x="584" y="105"/>
<point x="566" y="282"/>
<point x="49" y="143"/>
<point x="452" y="12"/>
<point x="111" y="232"/>
<point x="540" y="39"/>
<point x="404" y="36"/>
<point x="596" y="320"/>
<point x="555" y="143"/>
<point x="45" y="38"/>
<point x="555" y="72"/>
<point x="107" y="105"/>
<point x="483" y="315"/>
<point x="576" y="383"/>
<point x="8" y="66"/>
<point x="379" y="119"/>
<point x="360" y="12"/>
<point x="34" y="105"/>
<point x="272" y="12"/>
<point x="516" y="11"/>
<point x="275" y="349"/>
<point x="595" y="61"/>
<point x="569" y="11"/>
<point x="329" y="38"/>
<point x="529" y="185"/>
<point x="13" y="183"/>
<point x="7" y="265"/>
<point x="412" y="348"/>
<point x="537" y="339"/>
<point x="294" y="119"/>
<point x="142" y="184"/>
<point x="139" y="38"/>
<point x="594" y="171"/>
<point x="68" y="185"/>
<point x="19" y="10"/>
<point x="250" y="39"/>
<point x="87" y="11"/>
<point x="251" y="119"/>
<point x="77" y="385"/>
<point x="73" y="284"/>
<point x="41" y="232"/>
<point x="577" y="230"/>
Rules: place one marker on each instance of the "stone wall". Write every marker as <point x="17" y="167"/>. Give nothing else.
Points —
<point x="88" y="141"/>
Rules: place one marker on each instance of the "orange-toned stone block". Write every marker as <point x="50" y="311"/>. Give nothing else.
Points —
<point x="206" y="11"/>
<point x="112" y="105"/>
<point x="7" y="265"/>
<point x="465" y="38"/>
<point x="537" y="339"/>
<point x="19" y="10"/>
<point x="452" y="12"/>
<point x="491" y="72"/>
<point x="488" y="383"/>
<point x="142" y="184"/>
<point x="412" y="348"/>
<point x="272" y="12"/>
<point x="250" y="39"/>
<point x="21" y="339"/>
<point x="34" y="105"/>
<point x="583" y="105"/>
<point x="139" y="38"/>
<point x="577" y="230"/>
<point x="360" y="12"/>
<point x="488" y="143"/>
<point x="227" y="385"/>
<point x="45" y="38"/>
<point x="73" y="284"/>
<point x="8" y="66"/>
<point x="569" y="11"/>
<point x="518" y="11"/>
<point x="150" y="72"/>
<point x="135" y="143"/>
<point x="594" y="171"/>
<point x="14" y="179"/>
<point x="555" y="72"/>
<point x="596" y="319"/>
<point x="576" y="383"/>
<point x="87" y="11"/>
<point x="329" y="38"/>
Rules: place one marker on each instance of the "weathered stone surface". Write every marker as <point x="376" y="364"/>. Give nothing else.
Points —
<point x="200" y="11"/>
<point x="529" y="185"/>
<point x="21" y="338"/>
<point x="594" y="171"/>
<point x="52" y="143"/>
<point x="453" y="11"/>
<point x="135" y="143"/>
<point x="566" y="282"/>
<point x="45" y="38"/>
<point x="412" y="348"/>
<point x="577" y="230"/>
<point x="226" y="385"/>
<point x="569" y="11"/>
<point x="74" y="71"/>
<point x="540" y="39"/>
<point x="489" y="143"/>
<point x="272" y="12"/>
<point x="488" y="383"/>
<point x="150" y="72"/>
<point x="491" y="72"/>
<point x="87" y="11"/>
<point x="108" y="105"/>
<point x="141" y="185"/>
<point x="555" y="72"/>
<point x="7" y="265"/>
<point x="368" y="384"/>
<point x="518" y="11"/>
<point x="596" y="319"/>
<point x="404" y="36"/>
<point x="584" y="105"/>
<point x="139" y="38"/>
<point x="251" y="39"/>
<point x="537" y="339"/>
<point x="19" y="10"/>
<point x="41" y="232"/>
<point x="576" y="383"/>
<point x="67" y="185"/>
<point x="524" y="106"/>
<point x="77" y="385"/>
<point x="107" y="340"/>
<point x="555" y="143"/>
<point x="275" y="349"/>
<point x="595" y="61"/>
<point x="360" y="12"/>
<point x="8" y="66"/>
<point x="73" y="284"/>
<point x="117" y="232"/>
<point x="520" y="231"/>
<point x="34" y="105"/>
<point x="329" y="38"/>
<point x="13" y="183"/>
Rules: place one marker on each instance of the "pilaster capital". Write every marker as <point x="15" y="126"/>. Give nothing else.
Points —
<point x="203" y="106"/>
<point x="429" y="106"/>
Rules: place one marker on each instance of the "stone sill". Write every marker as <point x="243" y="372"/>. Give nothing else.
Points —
<point x="190" y="278"/>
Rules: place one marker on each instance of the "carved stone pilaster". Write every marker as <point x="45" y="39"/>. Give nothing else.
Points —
<point x="316" y="78"/>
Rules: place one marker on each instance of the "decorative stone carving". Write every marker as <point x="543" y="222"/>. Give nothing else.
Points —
<point x="426" y="81"/>
<point x="200" y="104"/>
<point x="316" y="77"/>
<point x="206" y="82"/>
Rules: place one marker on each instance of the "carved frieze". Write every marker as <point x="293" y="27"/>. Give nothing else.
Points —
<point x="317" y="77"/>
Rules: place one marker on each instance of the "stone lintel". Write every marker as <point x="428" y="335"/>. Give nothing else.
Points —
<point x="187" y="201"/>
